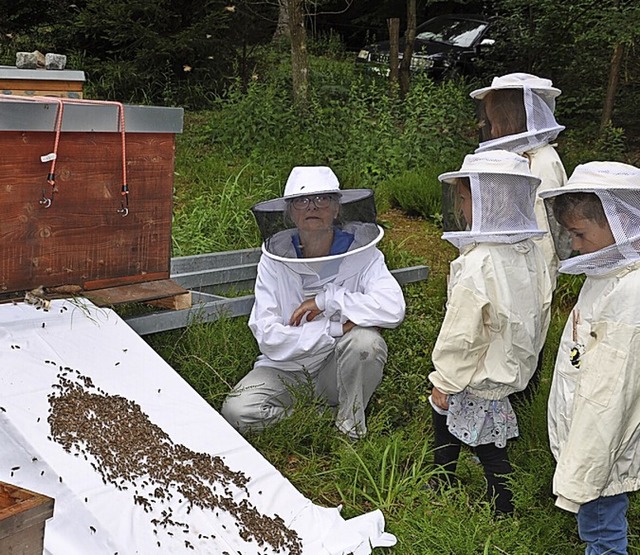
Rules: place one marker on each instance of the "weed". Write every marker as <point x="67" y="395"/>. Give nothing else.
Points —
<point x="240" y="153"/>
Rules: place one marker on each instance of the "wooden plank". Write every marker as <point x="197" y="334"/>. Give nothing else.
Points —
<point x="140" y="292"/>
<point x="212" y="310"/>
<point x="42" y="87"/>
<point x="128" y="280"/>
<point x="175" y="302"/>
<point x="58" y="85"/>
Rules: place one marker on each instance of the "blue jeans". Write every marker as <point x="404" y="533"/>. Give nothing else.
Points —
<point x="602" y="524"/>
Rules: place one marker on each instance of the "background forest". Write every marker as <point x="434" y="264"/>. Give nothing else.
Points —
<point x="189" y="52"/>
<point x="229" y="65"/>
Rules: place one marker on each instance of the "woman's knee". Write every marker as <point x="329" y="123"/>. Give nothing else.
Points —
<point x="235" y="410"/>
<point x="366" y="340"/>
<point x="254" y="404"/>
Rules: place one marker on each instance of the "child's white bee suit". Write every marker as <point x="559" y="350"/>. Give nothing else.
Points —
<point x="594" y="412"/>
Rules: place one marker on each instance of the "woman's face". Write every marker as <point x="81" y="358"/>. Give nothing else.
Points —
<point x="587" y="235"/>
<point x="314" y="212"/>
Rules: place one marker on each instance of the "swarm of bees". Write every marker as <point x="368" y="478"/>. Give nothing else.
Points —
<point x="131" y="453"/>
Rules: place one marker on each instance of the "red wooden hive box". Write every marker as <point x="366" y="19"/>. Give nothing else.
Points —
<point x="83" y="238"/>
<point x="23" y="514"/>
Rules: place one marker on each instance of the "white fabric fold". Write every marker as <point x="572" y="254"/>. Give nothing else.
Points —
<point x="91" y="516"/>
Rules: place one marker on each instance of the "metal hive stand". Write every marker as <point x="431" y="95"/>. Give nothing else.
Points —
<point x="210" y="277"/>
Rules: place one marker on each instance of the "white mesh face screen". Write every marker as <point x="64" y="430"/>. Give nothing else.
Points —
<point x="622" y="210"/>
<point x="501" y="210"/>
<point x="456" y="205"/>
<point x="499" y="110"/>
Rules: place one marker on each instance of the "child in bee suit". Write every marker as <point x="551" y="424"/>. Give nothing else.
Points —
<point x="594" y="403"/>
<point x="497" y="315"/>
<point x="516" y="113"/>
<point x="322" y="293"/>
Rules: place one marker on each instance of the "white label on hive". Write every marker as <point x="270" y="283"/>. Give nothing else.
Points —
<point x="48" y="157"/>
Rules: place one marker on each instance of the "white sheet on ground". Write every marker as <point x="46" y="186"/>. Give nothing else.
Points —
<point x="92" y="515"/>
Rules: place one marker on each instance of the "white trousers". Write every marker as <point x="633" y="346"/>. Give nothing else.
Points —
<point x="346" y="379"/>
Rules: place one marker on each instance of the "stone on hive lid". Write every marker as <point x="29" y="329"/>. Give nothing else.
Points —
<point x="55" y="61"/>
<point x="30" y="60"/>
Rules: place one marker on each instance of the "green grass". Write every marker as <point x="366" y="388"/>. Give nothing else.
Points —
<point x="240" y="153"/>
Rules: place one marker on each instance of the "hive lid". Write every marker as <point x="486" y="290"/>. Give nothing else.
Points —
<point x="11" y="72"/>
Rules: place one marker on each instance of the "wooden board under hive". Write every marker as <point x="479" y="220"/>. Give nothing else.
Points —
<point x="82" y="239"/>
<point x="23" y="515"/>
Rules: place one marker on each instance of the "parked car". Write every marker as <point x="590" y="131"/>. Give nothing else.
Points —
<point x="445" y="46"/>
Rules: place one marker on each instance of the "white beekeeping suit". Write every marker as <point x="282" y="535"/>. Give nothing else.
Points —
<point x="497" y="315"/>
<point x="594" y="413"/>
<point x="520" y="118"/>
<point x="320" y="248"/>
<point x="499" y="288"/>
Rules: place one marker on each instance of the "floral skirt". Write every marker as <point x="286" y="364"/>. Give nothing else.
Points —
<point x="477" y="421"/>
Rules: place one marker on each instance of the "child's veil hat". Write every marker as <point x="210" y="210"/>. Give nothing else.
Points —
<point x="502" y="200"/>
<point x="539" y="104"/>
<point x="539" y="85"/>
<point x="617" y="185"/>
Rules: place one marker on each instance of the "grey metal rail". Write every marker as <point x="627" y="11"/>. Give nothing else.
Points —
<point x="217" y="272"/>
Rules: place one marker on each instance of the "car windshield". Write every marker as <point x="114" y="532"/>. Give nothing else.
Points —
<point x="456" y="32"/>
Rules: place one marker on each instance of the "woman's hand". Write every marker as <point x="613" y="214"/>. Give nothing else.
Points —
<point x="347" y="326"/>
<point x="308" y="307"/>
<point x="440" y="399"/>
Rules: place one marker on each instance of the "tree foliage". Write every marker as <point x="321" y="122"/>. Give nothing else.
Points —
<point x="571" y="43"/>
<point x="161" y="51"/>
<point x="188" y="51"/>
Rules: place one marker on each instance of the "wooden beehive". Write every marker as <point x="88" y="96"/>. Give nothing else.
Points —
<point x="23" y="515"/>
<point x="82" y="239"/>
<point x="41" y="82"/>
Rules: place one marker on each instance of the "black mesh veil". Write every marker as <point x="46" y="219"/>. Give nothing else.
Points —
<point x="356" y="210"/>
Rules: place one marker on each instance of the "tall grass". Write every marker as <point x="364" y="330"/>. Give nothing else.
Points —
<point x="240" y="153"/>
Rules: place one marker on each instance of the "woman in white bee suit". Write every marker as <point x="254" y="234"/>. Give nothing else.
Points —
<point x="499" y="298"/>
<point x="322" y="293"/>
<point x="594" y="403"/>
<point x="516" y="113"/>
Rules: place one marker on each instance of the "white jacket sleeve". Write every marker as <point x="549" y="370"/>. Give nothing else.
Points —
<point x="605" y="413"/>
<point x="269" y="323"/>
<point x="462" y="340"/>
<point x="378" y="301"/>
<point x="547" y="166"/>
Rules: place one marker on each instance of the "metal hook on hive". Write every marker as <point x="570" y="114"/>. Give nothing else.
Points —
<point x="45" y="201"/>
<point x="124" y="209"/>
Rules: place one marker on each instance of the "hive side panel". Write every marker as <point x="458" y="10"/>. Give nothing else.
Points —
<point x="81" y="238"/>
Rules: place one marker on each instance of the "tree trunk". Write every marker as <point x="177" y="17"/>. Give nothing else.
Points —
<point x="299" y="60"/>
<point x="282" y="28"/>
<point x="393" y="24"/>
<point x="612" y="86"/>
<point x="410" y="37"/>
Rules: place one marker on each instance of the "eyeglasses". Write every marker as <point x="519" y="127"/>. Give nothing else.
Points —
<point x="319" y="201"/>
